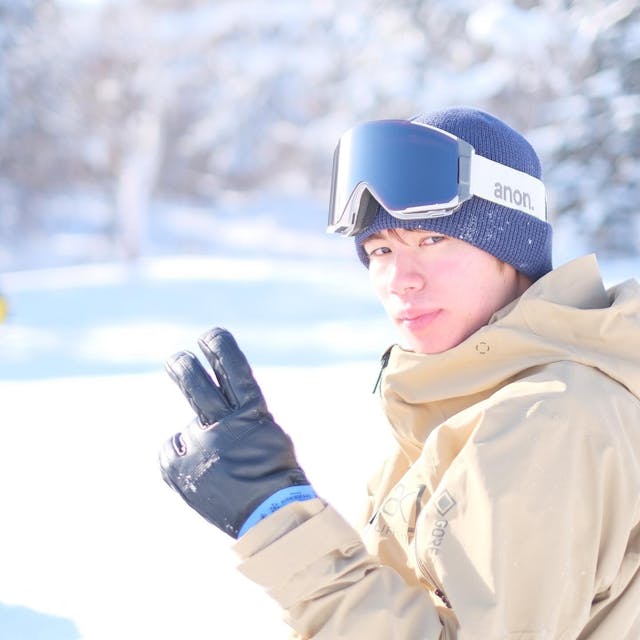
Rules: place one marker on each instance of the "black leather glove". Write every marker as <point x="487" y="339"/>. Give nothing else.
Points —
<point x="233" y="457"/>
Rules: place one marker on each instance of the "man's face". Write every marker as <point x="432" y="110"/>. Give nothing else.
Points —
<point x="438" y="290"/>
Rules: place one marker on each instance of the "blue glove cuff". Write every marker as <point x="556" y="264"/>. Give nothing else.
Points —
<point x="278" y="500"/>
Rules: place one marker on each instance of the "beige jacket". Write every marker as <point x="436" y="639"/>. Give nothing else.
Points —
<point x="511" y="508"/>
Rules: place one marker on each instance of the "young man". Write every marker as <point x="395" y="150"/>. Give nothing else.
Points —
<point x="511" y="506"/>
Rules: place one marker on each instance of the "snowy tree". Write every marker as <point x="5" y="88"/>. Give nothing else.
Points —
<point x="163" y="100"/>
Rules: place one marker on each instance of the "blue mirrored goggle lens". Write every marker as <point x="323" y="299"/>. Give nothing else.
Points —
<point x="403" y="165"/>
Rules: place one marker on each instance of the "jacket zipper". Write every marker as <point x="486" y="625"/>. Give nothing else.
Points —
<point x="384" y="361"/>
<point x="427" y="575"/>
<point x="430" y="579"/>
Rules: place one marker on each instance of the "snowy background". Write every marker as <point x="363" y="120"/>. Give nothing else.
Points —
<point x="163" y="169"/>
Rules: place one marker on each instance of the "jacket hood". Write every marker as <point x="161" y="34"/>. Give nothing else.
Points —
<point x="566" y="315"/>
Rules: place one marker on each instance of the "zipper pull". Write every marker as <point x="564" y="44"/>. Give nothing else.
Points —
<point x="384" y="361"/>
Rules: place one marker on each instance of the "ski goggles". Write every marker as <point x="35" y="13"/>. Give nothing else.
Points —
<point x="417" y="171"/>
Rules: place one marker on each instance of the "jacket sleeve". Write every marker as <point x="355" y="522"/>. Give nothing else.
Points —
<point x="314" y="564"/>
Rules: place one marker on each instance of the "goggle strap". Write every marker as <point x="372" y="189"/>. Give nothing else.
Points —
<point x="508" y="187"/>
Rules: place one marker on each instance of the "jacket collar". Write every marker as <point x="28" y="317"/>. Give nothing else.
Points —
<point x="544" y="325"/>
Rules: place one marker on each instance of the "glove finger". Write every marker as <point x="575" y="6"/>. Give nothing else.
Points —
<point x="175" y="472"/>
<point x="166" y="458"/>
<point x="204" y="396"/>
<point x="231" y="368"/>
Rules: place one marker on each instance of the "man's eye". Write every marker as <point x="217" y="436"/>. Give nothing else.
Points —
<point x="378" y="251"/>
<point x="433" y="239"/>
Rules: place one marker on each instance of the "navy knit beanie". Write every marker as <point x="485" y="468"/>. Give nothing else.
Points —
<point x="512" y="236"/>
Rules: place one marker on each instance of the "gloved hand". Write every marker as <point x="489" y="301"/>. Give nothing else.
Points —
<point x="233" y="464"/>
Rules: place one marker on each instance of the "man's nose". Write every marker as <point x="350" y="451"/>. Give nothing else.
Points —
<point x="406" y="274"/>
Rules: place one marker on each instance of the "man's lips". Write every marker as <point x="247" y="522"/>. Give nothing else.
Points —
<point x="416" y="320"/>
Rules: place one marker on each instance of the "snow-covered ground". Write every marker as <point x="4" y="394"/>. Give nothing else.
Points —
<point x="92" y="534"/>
<point x="92" y="539"/>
